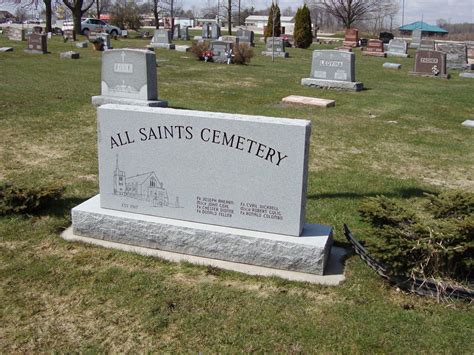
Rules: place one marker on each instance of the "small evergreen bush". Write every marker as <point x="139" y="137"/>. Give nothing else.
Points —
<point x="273" y="14"/>
<point x="303" y="37"/>
<point x="242" y="53"/>
<point x="431" y="239"/>
<point x="24" y="200"/>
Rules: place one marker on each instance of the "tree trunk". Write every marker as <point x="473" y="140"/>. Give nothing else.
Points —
<point x="229" y="17"/>
<point x="49" y="14"/>
<point x="240" y="19"/>
<point x="155" y="14"/>
<point x="76" y="15"/>
<point x="97" y="4"/>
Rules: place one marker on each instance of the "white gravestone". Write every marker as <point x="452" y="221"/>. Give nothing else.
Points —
<point x="397" y="48"/>
<point x="129" y="78"/>
<point x="162" y="39"/>
<point x="223" y="186"/>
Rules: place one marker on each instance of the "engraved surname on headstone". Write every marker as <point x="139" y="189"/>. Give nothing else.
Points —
<point x="203" y="167"/>
<point x="119" y="79"/>
<point x="333" y="65"/>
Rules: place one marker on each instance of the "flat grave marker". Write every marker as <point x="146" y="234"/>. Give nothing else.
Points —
<point x="312" y="101"/>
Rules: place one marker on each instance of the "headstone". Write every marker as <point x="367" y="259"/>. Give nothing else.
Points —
<point x="70" y="35"/>
<point x="416" y="36"/>
<point x="374" y="48"/>
<point x="467" y="75"/>
<point x="106" y="38"/>
<point x="351" y="38"/>
<point x="162" y="39"/>
<point x="69" y="55"/>
<point x="456" y="54"/>
<point x="470" y="51"/>
<point x="430" y="63"/>
<point x="233" y="39"/>
<point x="332" y="69"/>
<point x="182" y="48"/>
<point x="215" y="31"/>
<point x="176" y="32"/>
<point x="312" y="101"/>
<point x="82" y="44"/>
<point x="427" y="44"/>
<point x="219" y="49"/>
<point x="6" y="49"/>
<point x="16" y="34"/>
<point x="275" y="46"/>
<point x="246" y="37"/>
<point x="184" y="33"/>
<point x="397" y="48"/>
<point x="37" y="43"/>
<point x="392" y="66"/>
<point x="206" y="31"/>
<point x="214" y="185"/>
<point x="38" y="29"/>
<point x="344" y="49"/>
<point x="124" y="33"/>
<point x="468" y="123"/>
<point x="129" y="77"/>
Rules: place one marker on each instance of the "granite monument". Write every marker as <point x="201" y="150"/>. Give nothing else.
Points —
<point x="430" y="63"/>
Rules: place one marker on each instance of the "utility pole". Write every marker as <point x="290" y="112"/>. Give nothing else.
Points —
<point x="273" y="31"/>
<point x="403" y="12"/>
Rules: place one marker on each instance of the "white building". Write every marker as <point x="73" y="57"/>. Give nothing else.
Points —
<point x="258" y="23"/>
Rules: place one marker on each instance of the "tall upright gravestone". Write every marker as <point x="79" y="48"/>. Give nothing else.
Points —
<point x="430" y="63"/>
<point x="214" y="185"/>
<point x="162" y="39"/>
<point x="17" y="34"/>
<point x="333" y="69"/>
<point x="37" y="43"/>
<point x="206" y="31"/>
<point x="184" y="33"/>
<point x="129" y="78"/>
<point x="416" y="37"/>
<point x="245" y="36"/>
<point x="215" y="31"/>
<point x="397" y="48"/>
<point x="427" y="44"/>
<point x="176" y="32"/>
<point x="456" y="54"/>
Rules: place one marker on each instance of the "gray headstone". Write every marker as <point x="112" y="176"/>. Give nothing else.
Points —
<point x="392" y="66"/>
<point x="176" y="32"/>
<point x="216" y="168"/>
<point x="128" y="74"/>
<point x="276" y="43"/>
<point x="206" y="31"/>
<point x="37" y="43"/>
<point x="397" y="47"/>
<point x="456" y="54"/>
<point x="215" y="31"/>
<point x="184" y="33"/>
<point x="161" y="36"/>
<point x="106" y="37"/>
<point x="333" y="65"/>
<point x="415" y="39"/>
<point x="82" y="44"/>
<point x="246" y="36"/>
<point x="16" y="34"/>
<point x="467" y="75"/>
<point x="427" y="44"/>
<point x="468" y="123"/>
<point x="219" y="48"/>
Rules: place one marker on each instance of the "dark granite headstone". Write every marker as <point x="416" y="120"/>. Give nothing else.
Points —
<point x="37" y="43"/>
<point x="430" y="63"/>
<point x="456" y="54"/>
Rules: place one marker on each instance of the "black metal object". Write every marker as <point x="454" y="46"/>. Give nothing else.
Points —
<point x="410" y="284"/>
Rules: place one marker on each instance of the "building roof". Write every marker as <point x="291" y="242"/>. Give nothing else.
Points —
<point x="265" y="18"/>
<point x="420" y="25"/>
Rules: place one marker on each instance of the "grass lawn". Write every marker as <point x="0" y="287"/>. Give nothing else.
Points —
<point x="400" y="137"/>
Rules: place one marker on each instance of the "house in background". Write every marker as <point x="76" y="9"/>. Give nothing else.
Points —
<point x="258" y="23"/>
<point x="427" y="29"/>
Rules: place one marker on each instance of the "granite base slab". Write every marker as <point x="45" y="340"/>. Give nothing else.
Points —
<point x="307" y="254"/>
<point x="395" y="54"/>
<point x="33" y="51"/>
<point x="102" y="100"/>
<point x="312" y="101"/>
<point x="277" y="54"/>
<point x="163" y="45"/>
<point x="444" y="76"/>
<point x="332" y="84"/>
<point x="373" y="54"/>
<point x="467" y="75"/>
<point x="183" y="48"/>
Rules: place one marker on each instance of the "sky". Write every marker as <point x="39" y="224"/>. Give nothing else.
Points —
<point x="454" y="11"/>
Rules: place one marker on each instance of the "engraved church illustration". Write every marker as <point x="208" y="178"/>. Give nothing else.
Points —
<point x="144" y="187"/>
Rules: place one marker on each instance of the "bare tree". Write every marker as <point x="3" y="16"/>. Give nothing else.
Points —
<point x="348" y="11"/>
<point x="78" y="8"/>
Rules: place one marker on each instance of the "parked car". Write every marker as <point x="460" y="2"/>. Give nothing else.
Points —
<point x="91" y="24"/>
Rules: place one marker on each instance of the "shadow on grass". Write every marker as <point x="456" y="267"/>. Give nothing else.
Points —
<point x="410" y="192"/>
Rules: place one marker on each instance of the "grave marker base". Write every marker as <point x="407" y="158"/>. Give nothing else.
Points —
<point x="277" y="54"/>
<point x="162" y="45"/>
<point x="102" y="100"/>
<point x="332" y="84"/>
<point x="308" y="253"/>
<point x="374" y="54"/>
<point x="446" y="76"/>
<point x="395" y="54"/>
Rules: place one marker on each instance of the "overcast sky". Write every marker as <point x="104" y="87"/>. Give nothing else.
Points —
<point x="454" y="11"/>
<point x="451" y="10"/>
